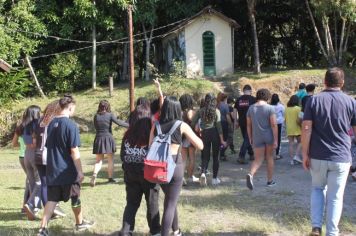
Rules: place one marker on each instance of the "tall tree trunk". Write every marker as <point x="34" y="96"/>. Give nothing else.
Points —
<point x="317" y="32"/>
<point x="148" y="40"/>
<point x="336" y="35"/>
<point x="332" y="51"/>
<point x="347" y="37"/>
<point x="341" y="41"/>
<point x="34" y="77"/>
<point x="251" y="13"/>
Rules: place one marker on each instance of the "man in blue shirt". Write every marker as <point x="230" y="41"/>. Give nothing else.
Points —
<point x="64" y="168"/>
<point x="326" y="150"/>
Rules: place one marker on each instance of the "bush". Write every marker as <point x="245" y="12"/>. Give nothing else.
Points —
<point x="13" y="86"/>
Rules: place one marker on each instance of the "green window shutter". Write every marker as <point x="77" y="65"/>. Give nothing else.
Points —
<point x="209" y="53"/>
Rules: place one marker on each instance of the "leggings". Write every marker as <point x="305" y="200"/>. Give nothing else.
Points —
<point x="27" y="187"/>
<point x="279" y="138"/>
<point x="33" y="179"/>
<point x="42" y="173"/>
<point x="225" y="129"/>
<point x="171" y="196"/>
<point x="211" y="140"/>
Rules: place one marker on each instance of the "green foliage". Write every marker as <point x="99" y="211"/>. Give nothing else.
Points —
<point x="66" y="71"/>
<point x="13" y="86"/>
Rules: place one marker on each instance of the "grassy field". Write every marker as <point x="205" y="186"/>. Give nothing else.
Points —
<point x="227" y="210"/>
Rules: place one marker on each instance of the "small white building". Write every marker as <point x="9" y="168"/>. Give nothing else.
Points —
<point x="204" y="42"/>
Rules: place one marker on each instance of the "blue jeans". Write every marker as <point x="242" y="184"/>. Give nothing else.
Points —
<point x="328" y="185"/>
<point x="245" y="146"/>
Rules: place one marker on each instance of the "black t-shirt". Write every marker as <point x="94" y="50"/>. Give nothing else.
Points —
<point x="62" y="135"/>
<point x="242" y="104"/>
<point x="332" y="113"/>
<point x="132" y="157"/>
<point x="304" y="101"/>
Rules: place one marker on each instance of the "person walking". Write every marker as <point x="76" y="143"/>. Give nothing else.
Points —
<point x="263" y="134"/>
<point x="104" y="143"/>
<point x="241" y="107"/>
<point x="212" y="136"/>
<point x="326" y="150"/>
<point x="280" y="111"/>
<point x="28" y="126"/>
<point x="230" y="136"/>
<point x="64" y="168"/>
<point x="170" y="114"/>
<point x="225" y="121"/>
<point x="301" y="93"/>
<point x="293" y="128"/>
<point x="188" y="150"/>
<point x="134" y="149"/>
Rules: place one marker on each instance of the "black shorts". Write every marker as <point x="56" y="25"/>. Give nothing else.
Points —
<point x="63" y="193"/>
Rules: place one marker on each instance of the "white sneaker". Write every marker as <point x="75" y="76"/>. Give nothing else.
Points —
<point x="297" y="159"/>
<point x="292" y="162"/>
<point x="203" y="180"/>
<point x="215" y="181"/>
<point x="193" y="179"/>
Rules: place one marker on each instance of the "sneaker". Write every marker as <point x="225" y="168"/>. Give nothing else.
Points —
<point x="86" y="224"/>
<point x="278" y="157"/>
<point x="215" y="181"/>
<point x="93" y="181"/>
<point x="23" y="211"/>
<point x="193" y="179"/>
<point x="249" y="181"/>
<point x="203" y="180"/>
<point x="112" y="181"/>
<point x="43" y="232"/>
<point x="271" y="183"/>
<point x="241" y="160"/>
<point x="31" y="215"/>
<point x="292" y="162"/>
<point x="316" y="231"/>
<point x="178" y="233"/>
<point x="297" y="159"/>
<point x="58" y="212"/>
<point x="184" y="182"/>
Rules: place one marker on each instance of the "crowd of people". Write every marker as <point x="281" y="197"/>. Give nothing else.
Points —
<point x="319" y="129"/>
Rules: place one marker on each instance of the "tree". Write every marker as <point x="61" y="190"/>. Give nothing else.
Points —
<point x="336" y="40"/>
<point x="251" y="5"/>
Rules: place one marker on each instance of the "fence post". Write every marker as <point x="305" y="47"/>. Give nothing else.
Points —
<point x="111" y="85"/>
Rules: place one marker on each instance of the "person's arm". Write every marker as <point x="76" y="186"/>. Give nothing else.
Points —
<point x="219" y="127"/>
<point x="273" y="121"/>
<point x="78" y="164"/>
<point x="191" y="136"/>
<point x="160" y="93"/>
<point x="15" y="140"/>
<point x="195" y="118"/>
<point x="249" y="128"/>
<point x="152" y="133"/>
<point x="190" y="114"/>
<point x="306" y="135"/>
<point x="119" y="122"/>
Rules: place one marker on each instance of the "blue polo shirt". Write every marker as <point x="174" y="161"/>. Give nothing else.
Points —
<point x="62" y="135"/>
<point x="332" y="112"/>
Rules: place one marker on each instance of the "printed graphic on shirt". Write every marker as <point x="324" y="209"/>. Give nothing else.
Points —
<point x="134" y="154"/>
<point x="244" y="103"/>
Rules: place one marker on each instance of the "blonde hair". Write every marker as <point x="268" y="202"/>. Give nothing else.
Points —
<point x="51" y="111"/>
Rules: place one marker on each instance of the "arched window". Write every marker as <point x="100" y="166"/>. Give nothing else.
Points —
<point x="209" y="53"/>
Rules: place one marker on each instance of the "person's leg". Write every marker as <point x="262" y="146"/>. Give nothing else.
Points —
<point x="110" y="157"/>
<point x="133" y="200"/>
<point x="34" y="200"/>
<point x="270" y="162"/>
<point x="298" y="150"/>
<point x="215" y="150"/>
<point x="245" y="143"/>
<point x="336" y="182"/>
<point x="42" y="173"/>
<point x="151" y="192"/>
<point x="206" y="151"/>
<point x="191" y="164"/>
<point x="259" y="157"/>
<point x="279" y="139"/>
<point x="97" y="167"/>
<point x="318" y="171"/>
<point x="27" y="187"/>
<point x="77" y="210"/>
<point x="291" y="146"/>
<point x="172" y="191"/>
<point x="48" y="212"/>
<point x="225" y="129"/>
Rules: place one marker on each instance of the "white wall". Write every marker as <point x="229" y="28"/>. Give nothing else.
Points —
<point x="194" y="45"/>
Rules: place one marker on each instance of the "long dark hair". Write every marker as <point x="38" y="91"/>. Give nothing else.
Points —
<point x="208" y="113"/>
<point x="65" y="101"/>
<point x="171" y="110"/>
<point x="293" y="101"/>
<point x="104" y="106"/>
<point x="138" y="132"/>
<point x="275" y="99"/>
<point x="31" y="114"/>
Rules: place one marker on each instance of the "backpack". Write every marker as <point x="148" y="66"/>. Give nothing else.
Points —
<point x="41" y="150"/>
<point x="159" y="164"/>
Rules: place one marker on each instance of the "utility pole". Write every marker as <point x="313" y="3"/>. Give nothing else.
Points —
<point x="94" y="54"/>
<point x="131" y="56"/>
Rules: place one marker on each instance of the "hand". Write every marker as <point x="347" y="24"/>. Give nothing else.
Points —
<point x="306" y="162"/>
<point x="275" y="145"/>
<point x="80" y="177"/>
<point x="224" y="144"/>
<point x="156" y="81"/>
